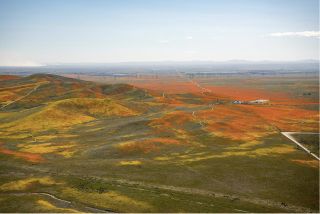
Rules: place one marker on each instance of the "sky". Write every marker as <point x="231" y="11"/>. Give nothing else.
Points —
<point x="40" y="32"/>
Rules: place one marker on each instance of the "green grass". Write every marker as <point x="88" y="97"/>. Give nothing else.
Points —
<point x="311" y="141"/>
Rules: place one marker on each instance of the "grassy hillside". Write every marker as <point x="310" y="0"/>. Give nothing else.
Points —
<point x="63" y="113"/>
<point x="152" y="147"/>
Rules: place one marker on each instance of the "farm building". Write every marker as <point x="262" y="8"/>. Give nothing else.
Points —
<point x="237" y="102"/>
<point x="259" y="101"/>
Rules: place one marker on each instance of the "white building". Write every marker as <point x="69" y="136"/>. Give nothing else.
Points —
<point x="259" y="101"/>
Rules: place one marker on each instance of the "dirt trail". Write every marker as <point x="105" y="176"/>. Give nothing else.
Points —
<point x="194" y="191"/>
<point x="62" y="202"/>
<point x="289" y="135"/>
<point x="24" y="96"/>
<point x="203" y="89"/>
<point x="196" y="118"/>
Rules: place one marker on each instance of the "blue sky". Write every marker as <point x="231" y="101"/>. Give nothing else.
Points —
<point x="34" y="32"/>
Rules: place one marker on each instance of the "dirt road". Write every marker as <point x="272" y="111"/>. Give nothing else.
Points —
<point x="24" y="96"/>
<point x="63" y="203"/>
<point x="289" y="135"/>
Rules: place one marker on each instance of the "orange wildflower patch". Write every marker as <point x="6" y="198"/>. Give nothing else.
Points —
<point x="146" y="146"/>
<point x="76" y="86"/>
<point x="59" y="89"/>
<point x="169" y="86"/>
<point x="8" y="77"/>
<point x="8" y="96"/>
<point x="173" y="119"/>
<point x="169" y="101"/>
<point x="249" y="122"/>
<point x="163" y="141"/>
<point x="287" y="118"/>
<point x="234" y="122"/>
<point x="246" y="94"/>
<point x="309" y="163"/>
<point x="97" y="91"/>
<point x="34" y="158"/>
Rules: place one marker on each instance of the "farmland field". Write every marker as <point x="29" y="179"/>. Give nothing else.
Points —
<point x="157" y="143"/>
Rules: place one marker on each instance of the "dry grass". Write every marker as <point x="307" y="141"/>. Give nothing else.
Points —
<point x="69" y="112"/>
<point x="187" y="158"/>
<point x="308" y="163"/>
<point x="45" y="148"/>
<point x="48" y="206"/>
<point x="130" y="163"/>
<point x="26" y="183"/>
<point x="235" y="123"/>
<point x="146" y="146"/>
<point x="111" y="200"/>
<point x="31" y="157"/>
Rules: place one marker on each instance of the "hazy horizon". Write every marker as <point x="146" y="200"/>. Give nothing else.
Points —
<point x="160" y="62"/>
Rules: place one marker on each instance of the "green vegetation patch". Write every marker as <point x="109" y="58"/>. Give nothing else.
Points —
<point x="311" y="141"/>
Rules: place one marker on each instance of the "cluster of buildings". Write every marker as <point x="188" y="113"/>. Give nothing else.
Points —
<point x="259" y="101"/>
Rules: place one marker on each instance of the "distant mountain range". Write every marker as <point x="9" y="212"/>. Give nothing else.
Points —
<point x="234" y="66"/>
